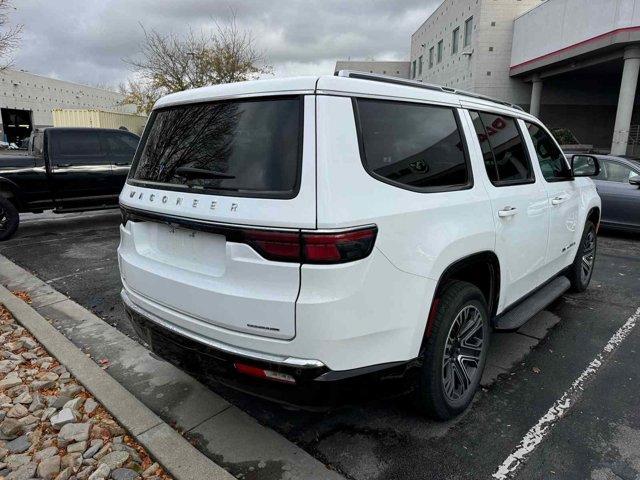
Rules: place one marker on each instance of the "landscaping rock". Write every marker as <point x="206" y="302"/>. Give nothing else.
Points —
<point x="90" y="405"/>
<point x="17" y="411"/>
<point x="74" y="404"/>
<point x="24" y="398"/>
<point x="45" y="453"/>
<point x="19" y="445"/>
<point x="151" y="470"/>
<point x="25" y="472"/>
<point x="124" y="474"/>
<point x="9" y="382"/>
<point x="73" y="432"/>
<point x="49" y="468"/>
<point x="10" y="427"/>
<point x="115" y="459"/>
<point x="101" y="473"/>
<point x="77" y="447"/>
<point x="65" y="474"/>
<point x="63" y="417"/>
<point x="96" y="445"/>
<point x="73" y="460"/>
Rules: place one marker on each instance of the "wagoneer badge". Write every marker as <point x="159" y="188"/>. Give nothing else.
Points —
<point x="195" y="203"/>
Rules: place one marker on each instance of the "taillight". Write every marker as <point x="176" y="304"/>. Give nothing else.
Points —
<point x="274" y="245"/>
<point x="317" y="248"/>
<point x="338" y="247"/>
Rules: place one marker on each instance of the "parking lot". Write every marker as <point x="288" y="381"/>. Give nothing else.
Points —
<point x="598" y="438"/>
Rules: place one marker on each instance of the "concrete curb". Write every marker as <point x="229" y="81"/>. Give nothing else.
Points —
<point x="221" y="431"/>
<point x="177" y="455"/>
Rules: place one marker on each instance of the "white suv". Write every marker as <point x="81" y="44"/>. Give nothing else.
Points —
<point x="290" y="235"/>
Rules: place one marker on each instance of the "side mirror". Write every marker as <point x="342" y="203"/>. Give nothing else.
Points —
<point x="585" y="166"/>
<point x="635" y="180"/>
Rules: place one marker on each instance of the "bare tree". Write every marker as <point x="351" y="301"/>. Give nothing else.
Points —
<point x="171" y="63"/>
<point x="139" y="93"/>
<point x="9" y="34"/>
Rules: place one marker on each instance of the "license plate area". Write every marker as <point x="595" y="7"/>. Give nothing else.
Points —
<point x="187" y="249"/>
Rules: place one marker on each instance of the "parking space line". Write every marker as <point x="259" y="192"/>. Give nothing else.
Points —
<point x="536" y="434"/>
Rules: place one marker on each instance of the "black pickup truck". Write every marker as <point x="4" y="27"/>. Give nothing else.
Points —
<point x="64" y="169"/>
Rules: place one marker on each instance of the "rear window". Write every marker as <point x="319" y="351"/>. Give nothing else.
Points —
<point x="243" y="148"/>
<point x="418" y="147"/>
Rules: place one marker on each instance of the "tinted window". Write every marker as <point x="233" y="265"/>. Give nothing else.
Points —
<point x="121" y="143"/>
<point x="414" y="145"/>
<point x="75" y="143"/>
<point x="249" y="147"/>
<point x="500" y="139"/>
<point x="552" y="161"/>
<point x="615" y="172"/>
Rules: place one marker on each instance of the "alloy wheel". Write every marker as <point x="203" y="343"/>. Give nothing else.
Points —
<point x="588" y="256"/>
<point x="462" y="352"/>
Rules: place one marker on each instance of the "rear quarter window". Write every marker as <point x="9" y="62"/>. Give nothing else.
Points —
<point x="413" y="146"/>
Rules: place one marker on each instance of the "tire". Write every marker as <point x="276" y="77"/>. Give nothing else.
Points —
<point x="581" y="270"/>
<point x="442" y="390"/>
<point x="9" y="219"/>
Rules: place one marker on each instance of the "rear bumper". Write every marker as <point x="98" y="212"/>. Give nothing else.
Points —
<point x="316" y="386"/>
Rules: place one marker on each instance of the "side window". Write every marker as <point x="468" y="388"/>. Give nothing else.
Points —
<point x="504" y="151"/>
<point x="552" y="162"/>
<point x="617" y="172"/>
<point x="416" y="146"/>
<point x="120" y="143"/>
<point x="74" y="144"/>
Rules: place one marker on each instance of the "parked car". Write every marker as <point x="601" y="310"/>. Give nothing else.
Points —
<point x="618" y="185"/>
<point x="293" y="237"/>
<point x="64" y="169"/>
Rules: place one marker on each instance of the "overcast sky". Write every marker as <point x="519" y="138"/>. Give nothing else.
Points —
<point x="85" y="40"/>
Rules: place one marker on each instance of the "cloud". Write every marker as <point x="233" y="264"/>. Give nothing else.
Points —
<point x="86" y="40"/>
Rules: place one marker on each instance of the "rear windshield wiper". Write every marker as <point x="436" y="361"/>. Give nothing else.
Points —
<point x="193" y="172"/>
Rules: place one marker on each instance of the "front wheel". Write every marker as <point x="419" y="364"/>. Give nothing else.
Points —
<point x="581" y="270"/>
<point x="455" y="353"/>
<point x="9" y="219"/>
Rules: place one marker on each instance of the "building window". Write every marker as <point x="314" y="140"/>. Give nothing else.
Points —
<point x="468" y="27"/>
<point x="439" y="52"/>
<point x="420" y="65"/>
<point x="413" y="69"/>
<point x="431" y="57"/>
<point x="454" y="40"/>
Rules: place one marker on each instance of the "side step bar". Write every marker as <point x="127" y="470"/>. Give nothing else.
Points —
<point x="521" y="313"/>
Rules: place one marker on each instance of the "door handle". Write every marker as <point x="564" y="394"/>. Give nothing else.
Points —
<point x="62" y="165"/>
<point x="121" y="164"/>
<point x="558" y="200"/>
<point x="507" y="212"/>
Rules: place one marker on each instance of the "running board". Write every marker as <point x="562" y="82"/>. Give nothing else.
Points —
<point x="522" y="313"/>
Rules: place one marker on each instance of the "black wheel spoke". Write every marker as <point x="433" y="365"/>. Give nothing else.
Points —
<point x="463" y="351"/>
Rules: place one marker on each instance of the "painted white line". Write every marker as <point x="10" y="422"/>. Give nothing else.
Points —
<point x="536" y="434"/>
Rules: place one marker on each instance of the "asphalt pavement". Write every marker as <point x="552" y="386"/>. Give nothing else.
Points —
<point x="597" y="438"/>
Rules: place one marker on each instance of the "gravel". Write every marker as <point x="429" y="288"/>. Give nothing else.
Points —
<point x="50" y="426"/>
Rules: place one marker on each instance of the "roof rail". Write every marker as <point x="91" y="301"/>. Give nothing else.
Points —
<point x="376" y="77"/>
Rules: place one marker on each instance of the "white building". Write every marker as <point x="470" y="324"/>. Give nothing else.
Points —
<point x="26" y="101"/>
<point x="393" y="68"/>
<point x="574" y="63"/>
<point x="581" y="60"/>
<point x="466" y="44"/>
